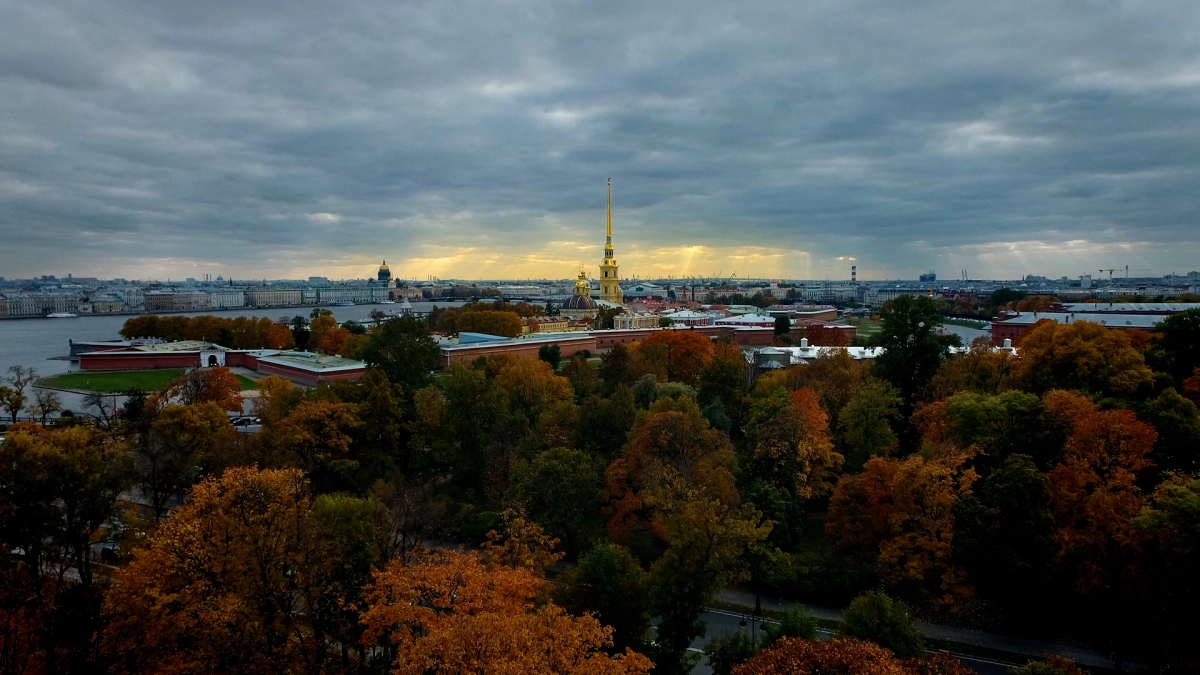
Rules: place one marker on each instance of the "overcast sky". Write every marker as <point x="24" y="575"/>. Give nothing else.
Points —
<point x="473" y="139"/>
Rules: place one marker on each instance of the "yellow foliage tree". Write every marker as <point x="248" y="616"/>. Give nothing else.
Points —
<point x="448" y="613"/>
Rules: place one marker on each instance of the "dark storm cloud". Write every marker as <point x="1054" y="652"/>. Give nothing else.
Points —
<point x="1011" y="138"/>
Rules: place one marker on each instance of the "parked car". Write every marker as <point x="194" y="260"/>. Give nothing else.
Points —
<point x="247" y="425"/>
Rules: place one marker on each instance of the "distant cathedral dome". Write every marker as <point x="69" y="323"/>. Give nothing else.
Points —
<point x="579" y="303"/>
<point x="385" y="273"/>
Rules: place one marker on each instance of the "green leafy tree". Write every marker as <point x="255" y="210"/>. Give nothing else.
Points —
<point x="560" y="490"/>
<point x="783" y="325"/>
<point x="1003" y="424"/>
<point x="1171" y="523"/>
<point x="1177" y="421"/>
<point x="728" y="651"/>
<point x="609" y="582"/>
<point x="876" y="617"/>
<point x="707" y="543"/>
<point x="1003" y="536"/>
<point x="1176" y="345"/>
<point x="550" y="354"/>
<point x="616" y="368"/>
<point x="913" y="351"/>
<point x="795" y="622"/>
<point x="404" y="349"/>
<point x="865" y="424"/>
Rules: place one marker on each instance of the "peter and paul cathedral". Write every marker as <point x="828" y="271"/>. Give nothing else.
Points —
<point x="610" y="287"/>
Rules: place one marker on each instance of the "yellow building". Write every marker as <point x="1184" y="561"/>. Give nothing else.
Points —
<point x="610" y="287"/>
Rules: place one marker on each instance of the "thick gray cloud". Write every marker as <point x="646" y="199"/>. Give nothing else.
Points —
<point x="473" y="138"/>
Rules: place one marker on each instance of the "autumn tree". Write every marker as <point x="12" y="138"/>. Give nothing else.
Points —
<point x="58" y="491"/>
<point x="179" y="441"/>
<point x="504" y="324"/>
<point x="250" y="575"/>
<point x="276" y="398"/>
<point x="1094" y="494"/>
<point x="280" y="336"/>
<point x="532" y="387"/>
<point x="982" y="370"/>
<point x="13" y="394"/>
<point x="788" y="436"/>
<point x="834" y="376"/>
<point x="317" y="436"/>
<point x="901" y="513"/>
<point x="1081" y="356"/>
<point x="450" y="613"/>
<point x="203" y="385"/>
<point x="708" y="542"/>
<point x="671" y="440"/>
<point x="843" y="656"/>
<point x="678" y="354"/>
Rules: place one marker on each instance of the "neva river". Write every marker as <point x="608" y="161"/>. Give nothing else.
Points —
<point x="35" y="342"/>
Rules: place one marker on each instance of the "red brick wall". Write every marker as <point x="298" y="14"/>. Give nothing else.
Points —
<point x="137" y="360"/>
<point x="568" y="348"/>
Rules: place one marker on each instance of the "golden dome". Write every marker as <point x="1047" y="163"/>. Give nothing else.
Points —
<point x="384" y="267"/>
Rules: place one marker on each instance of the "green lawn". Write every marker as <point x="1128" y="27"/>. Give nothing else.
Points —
<point x="865" y="327"/>
<point x="966" y="323"/>
<point x="117" y="382"/>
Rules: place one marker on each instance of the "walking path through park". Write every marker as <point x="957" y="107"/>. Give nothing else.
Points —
<point x="1002" y="643"/>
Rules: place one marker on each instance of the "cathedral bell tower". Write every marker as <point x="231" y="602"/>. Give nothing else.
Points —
<point x="610" y="288"/>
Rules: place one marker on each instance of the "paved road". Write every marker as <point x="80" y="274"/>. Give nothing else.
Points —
<point x="721" y="623"/>
<point x="1034" y="649"/>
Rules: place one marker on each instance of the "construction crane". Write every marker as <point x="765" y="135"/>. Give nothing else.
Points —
<point x="1110" y="271"/>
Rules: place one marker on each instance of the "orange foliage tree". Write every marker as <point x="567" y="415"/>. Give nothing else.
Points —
<point x="843" y="656"/>
<point x="317" y="436"/>
<point x="251" y="575"/>
<point x="672" y="440"/>
<point x="203" y="385"/>
<point x="449" y="613"/>
<point x="280" y="336"/>
<point x="1094" y="495"/>
<point x="901" y="511"/>
<point x="326" y="336"/>
<point x="1081" y="356"/>
<point x="790" y="445"/>
<point x="679" y="354"/>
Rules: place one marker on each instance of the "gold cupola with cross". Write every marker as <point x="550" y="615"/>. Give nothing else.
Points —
<point x="610" y="287"/>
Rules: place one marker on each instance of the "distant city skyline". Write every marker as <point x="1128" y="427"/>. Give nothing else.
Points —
<point x="776" y="139"/>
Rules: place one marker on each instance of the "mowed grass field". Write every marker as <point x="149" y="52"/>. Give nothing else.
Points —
<point x="865" y="327"/>
<point x="117" y="382"/>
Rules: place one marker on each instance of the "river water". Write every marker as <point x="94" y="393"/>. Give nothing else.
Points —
<point x="35" y="342"/>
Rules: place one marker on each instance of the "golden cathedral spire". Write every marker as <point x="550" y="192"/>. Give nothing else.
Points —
<point x="608" y="239"/>
<point x="610" y="287"/>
